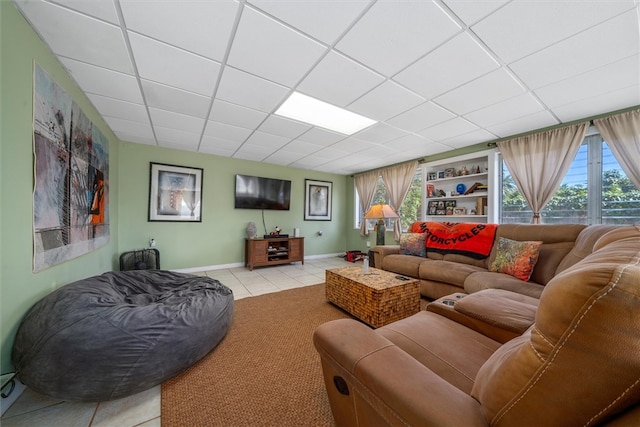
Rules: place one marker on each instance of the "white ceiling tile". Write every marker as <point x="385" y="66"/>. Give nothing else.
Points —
<point x="387" y="100"/>
<point x="448" y="129"/>
<point x="471" y="12"/>
<point x="420" y="117"/>
<point x="176" y="138"/>
<point x="331" y="153"/>
<point x="210" y="143"/>
<point x="119" y="109"/>
<point x="594" y="105"/>
<point x="226" y="132"/>
<point x="470" y="138"/>
<point x="183" y="146"/>
<point x="608" y="78"/>
<point x="355" y="144"/>
<point x="169" y="119"/>
<point x="324" y="20"/>
<point x="224" y="152"/>
<point x="105" y="10"/>
<point x="409" y="142"/>
<point x="512" y="108"/>
<point x="523" y="27"/>
<point x="252" y="152"/>
<point x="283" y="127"/>
<point x="487" y="90"/>
<point x="608" y="42"/>
<point x="338" y="80"/>
<point x="80" y="36"/>
<point x="389" y="37"/>
<point x="250" y="91"/>
<point x="129" y="127"/>
<point x="380" y="133"/>
<point x="538" y="120"/>
<point x="176" y="100"/>
<point x="265" y="47"/>
<point x="266" y="140"/>
<point x="125" y="137"/>
<point x="282" y="157"/>
<point x="168" y="65"/>
<point x="309" y="162"/>
<point x="302" y="147"/>
<point x="462" y="58"/>
<point x="321" y="137"/>
<point x="202" y="27"/>
<point x="236" y="115"/>
<point x="101" y="81"/>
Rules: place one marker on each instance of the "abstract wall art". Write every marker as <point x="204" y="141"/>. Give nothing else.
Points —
<point x="71" y="177"/>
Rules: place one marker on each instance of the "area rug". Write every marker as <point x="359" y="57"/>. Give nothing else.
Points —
<point x="265" y="372"/>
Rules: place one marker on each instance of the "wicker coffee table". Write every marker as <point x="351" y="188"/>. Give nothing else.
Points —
<point x="377" y="298"/>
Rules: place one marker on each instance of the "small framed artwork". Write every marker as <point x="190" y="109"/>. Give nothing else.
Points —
<point x="441" y="212"/>
<point x="433" y="207"/>
<point x="440" y="174"/>
<point x="317" y="200"/>
<point x="175" y="193"/>
<point x="432" y="176"/>
<point x="450" y="203"/>
<point x="459" y="211"/>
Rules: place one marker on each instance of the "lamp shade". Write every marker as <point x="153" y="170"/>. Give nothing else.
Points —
<point x="380" y="211"/>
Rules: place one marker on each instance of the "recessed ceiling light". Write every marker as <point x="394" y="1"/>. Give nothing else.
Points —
<point x="318" y="113"/>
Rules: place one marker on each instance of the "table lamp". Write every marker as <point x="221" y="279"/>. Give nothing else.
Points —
<point x="380" y="212"/>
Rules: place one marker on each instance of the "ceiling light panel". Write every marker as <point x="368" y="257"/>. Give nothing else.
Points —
<point x="318" y="113"/>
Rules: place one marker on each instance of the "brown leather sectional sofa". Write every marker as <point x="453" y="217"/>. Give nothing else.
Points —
<point x="578" y="363"/>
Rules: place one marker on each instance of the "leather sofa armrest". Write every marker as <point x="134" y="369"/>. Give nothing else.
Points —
<point x="386" y="386"/>
<point x="379" y="252"/>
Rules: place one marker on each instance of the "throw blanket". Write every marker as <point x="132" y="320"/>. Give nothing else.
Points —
<point x="471" y="239"/>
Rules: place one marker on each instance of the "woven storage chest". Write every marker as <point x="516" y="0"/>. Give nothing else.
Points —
<point x="377" y="298"/>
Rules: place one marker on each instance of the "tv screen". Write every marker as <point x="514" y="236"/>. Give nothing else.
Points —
<point x="254" y="192"/>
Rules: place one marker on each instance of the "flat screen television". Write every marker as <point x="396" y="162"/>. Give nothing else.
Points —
<point x="255" y="192"/>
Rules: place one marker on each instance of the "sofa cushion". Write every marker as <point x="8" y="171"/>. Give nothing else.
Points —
<point x="585" y="337"/>
<point x="516" y="258"/>
<point x="407" y="265"/>
<point x="549" y="257"/>
<point x="449" y="349"/>
<point x="413" y="244"/>
<point x="489" y="280"/>
<point x="447" y="271"/>
<point x="584" y="245"/>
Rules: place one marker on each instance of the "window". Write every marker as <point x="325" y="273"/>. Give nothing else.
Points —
<point x="410" y="211"/>
<point x="594" y="191"/>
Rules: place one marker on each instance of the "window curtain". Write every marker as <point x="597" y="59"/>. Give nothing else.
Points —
<point x="397" y="180"/>
<point x="539" y="162"/>
<point x="622" y="133"/>
<point x="366" y="187"/>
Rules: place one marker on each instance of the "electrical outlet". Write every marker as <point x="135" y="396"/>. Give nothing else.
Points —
<point x="152" y="243"/>
<point x="368" y="244"/>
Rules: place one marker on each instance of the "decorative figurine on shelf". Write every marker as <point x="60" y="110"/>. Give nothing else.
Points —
<point x="251" y="230"/>
<point x="277" y="232"/>
<point x="464" y="171"/>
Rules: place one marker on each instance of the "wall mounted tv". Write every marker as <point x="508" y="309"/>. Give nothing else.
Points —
<point x="254" y="192"/>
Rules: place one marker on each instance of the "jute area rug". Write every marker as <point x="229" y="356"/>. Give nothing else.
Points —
<point x="265" y="372"/>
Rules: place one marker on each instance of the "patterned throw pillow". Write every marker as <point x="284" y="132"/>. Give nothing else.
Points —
<point x="413" y="244"/>
<point x="516" y="258"/>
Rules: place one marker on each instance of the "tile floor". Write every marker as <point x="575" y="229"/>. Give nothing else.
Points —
<point x="143" y="409"/>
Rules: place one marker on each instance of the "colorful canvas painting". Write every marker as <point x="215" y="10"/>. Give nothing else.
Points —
<point x="71" y="173"/>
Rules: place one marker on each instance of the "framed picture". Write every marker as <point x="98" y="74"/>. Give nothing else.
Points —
<point x="440" y="174"/>
<point x="175" y="193"/>
<point x="433" y="207"/>
<point x="459" y="211"/>
<point x="317" y="200"/>
<point x="432" y="176"/>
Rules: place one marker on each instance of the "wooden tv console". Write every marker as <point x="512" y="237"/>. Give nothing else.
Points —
<point x="273" y="251"/>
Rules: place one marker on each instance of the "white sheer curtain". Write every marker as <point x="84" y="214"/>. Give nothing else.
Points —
<point x="397" y="180"/>
<point x="622" y="133"/>
<point x="366" y="186"/>
<point x="539" y="162"/>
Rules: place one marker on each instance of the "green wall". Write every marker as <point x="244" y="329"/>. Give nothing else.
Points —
<point x="20" y="288"/>
<point x="219" y="238"/>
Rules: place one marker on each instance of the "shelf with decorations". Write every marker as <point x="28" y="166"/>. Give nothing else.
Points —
<point x="462" y="187"/>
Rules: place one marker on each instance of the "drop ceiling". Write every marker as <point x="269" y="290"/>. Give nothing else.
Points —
<point x="207" y="76"/>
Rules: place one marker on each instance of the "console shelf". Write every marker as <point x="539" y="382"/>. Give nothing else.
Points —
<point x="273" y="251"/>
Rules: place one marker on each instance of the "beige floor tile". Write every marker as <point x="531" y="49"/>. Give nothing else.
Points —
<point x="64" y="414"/>
<point x="129" y="411"/>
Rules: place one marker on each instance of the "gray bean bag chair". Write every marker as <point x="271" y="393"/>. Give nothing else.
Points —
<point x="119" y="333"/>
